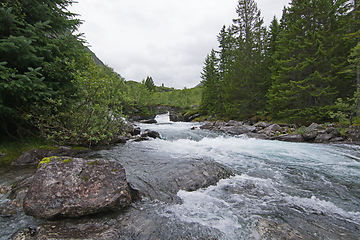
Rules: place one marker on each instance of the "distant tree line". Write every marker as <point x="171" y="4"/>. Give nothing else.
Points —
<point x="295" y="70"/>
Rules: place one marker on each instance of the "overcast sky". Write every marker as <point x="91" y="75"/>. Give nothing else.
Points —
<point x="165" y="39"/>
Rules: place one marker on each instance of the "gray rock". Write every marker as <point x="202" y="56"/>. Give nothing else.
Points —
<point x="289" y="138"/>
<point x="353" y="133"/>
<point x="34" y="156"/>
<point x="272" y="130"/>
<point x="271" y="230"/>
<point x="76" y="229"/>
<point x="148" y="121"/>
<point x="262" y="124"/>
<point x="314" y="127"/>
<point x="323" y="137"/>
<point x="66" y="187"/>
<point x="238" y="130"/>
<point x="31" y="157"/>
<point x="310" y="136"/>
<point x="163" y="180"/>
<point x="150" y="133"/>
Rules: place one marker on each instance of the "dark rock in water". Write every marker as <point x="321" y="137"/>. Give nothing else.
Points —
<point x="31" y="157"/>
<point x="15" y="198"/>
<point x="148" y="121"/>
<point x="150" y="133"/>
<point x="77" y="229"/>
<point x="289" y="138"/>
<point x="136" y="131"/>
<point x="66" y="187"/>
<point x="34" y="156"/>
<point x="139" y="139"/>
<point x="163" y="179"/>
<point x="238" y="130"/>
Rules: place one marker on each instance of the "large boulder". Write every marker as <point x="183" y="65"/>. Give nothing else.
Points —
<point x="273" y="130"/>
<point x="314" y="127"/>
<point x="73" y="187"/>
<point x="238" y="130"/>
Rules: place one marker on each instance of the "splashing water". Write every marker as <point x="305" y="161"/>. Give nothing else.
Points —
<point x="279" y="189"/>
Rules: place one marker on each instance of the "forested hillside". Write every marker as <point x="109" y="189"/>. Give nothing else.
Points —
<point x="52" y="86"/>
<point x="304" y="68"/>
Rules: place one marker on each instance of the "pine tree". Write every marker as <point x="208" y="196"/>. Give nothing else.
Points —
<point x="306" y="81"/>
<point x="211" y="97"/>
<point x="36" y="47"/>
<point x="149" y="83"/>
<point x="243" y="84"/>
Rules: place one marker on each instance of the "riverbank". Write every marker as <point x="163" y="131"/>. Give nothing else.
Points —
<point x="203" y="184"/>
<point x="314" y="133"/>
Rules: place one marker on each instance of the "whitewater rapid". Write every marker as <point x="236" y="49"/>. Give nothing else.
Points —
<point x="298" y="184"/>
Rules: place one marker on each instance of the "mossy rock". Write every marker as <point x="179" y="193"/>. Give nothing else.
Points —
<point x="53" y="158"/>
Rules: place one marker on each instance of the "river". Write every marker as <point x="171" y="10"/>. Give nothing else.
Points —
<point x="308" y="191"/>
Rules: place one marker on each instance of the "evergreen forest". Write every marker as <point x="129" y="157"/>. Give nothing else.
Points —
<point x="301" y="69"/>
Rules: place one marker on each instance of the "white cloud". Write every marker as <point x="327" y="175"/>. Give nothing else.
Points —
<point x="165" y="39"/>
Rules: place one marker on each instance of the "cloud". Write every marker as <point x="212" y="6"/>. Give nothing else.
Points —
<point x="167" y="40"/>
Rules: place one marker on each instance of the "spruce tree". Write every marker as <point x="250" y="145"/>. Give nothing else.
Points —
<point x="36" y="49"/>
<point x="149" y="83"/>
<point x="243" y="84"/>
<point x="306" y="80"/>
<point x="211" y="96"/>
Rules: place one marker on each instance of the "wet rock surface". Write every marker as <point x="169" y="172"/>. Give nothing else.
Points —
<point x="315" y="133"/>
<point x="162" y="181"/>
<point x="66" y="187"/>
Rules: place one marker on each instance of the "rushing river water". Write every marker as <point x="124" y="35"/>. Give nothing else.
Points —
<point x="309" y="191"/>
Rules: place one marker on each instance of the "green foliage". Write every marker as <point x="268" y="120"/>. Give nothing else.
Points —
<point x="36" y="43"/>
<point x="92" y="116"/>
<point x="149" y="83"/>
<point x="294" y="71"/>
<point x="345" y="110"/>
<point x="182" y="99"/>
<point x="141" y="100"/>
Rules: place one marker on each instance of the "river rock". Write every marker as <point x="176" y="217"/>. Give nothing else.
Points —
<point x="271" y="230"/>
<point x="353" y="133"/>
<point x="34" y="156"/>
<point x="237" y="130"/>
<point x="148" y="121"/>
<point x="77" y="229"/>
<point x="161" y="179"/>
<point x="272" y="130"/>
<point x="262" y="125"/>
<point x="314" y="127"/>
<point x="289" y="138"/>
<point x="150" y="133"/>
<point x="73" y="187"/>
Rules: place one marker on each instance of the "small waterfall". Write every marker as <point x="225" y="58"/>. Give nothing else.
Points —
<point x="163" y="118"/>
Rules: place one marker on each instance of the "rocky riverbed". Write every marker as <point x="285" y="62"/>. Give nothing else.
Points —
<point x="93" y="198"/>
<point x="124" y="191"/>
<point x="314" y="133"/>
